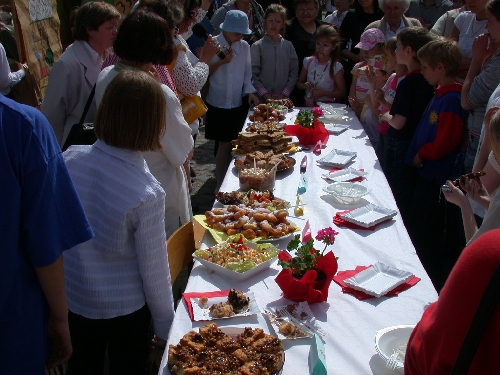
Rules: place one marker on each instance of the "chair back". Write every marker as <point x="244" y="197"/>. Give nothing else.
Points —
<point x="180" y="248"/>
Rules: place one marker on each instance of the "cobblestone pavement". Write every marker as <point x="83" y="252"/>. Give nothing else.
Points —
<point x="203" y="164"/>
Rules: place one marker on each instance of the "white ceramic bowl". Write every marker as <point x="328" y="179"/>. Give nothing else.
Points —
<point x="346" y="192"/>
<point x="391" y="338"/>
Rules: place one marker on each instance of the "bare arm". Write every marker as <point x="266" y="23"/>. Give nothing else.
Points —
<point x="51" y="279"/>
<point x="479" y="52"/>
<point x="455" y="196"/>
<point x="396" y="121"/>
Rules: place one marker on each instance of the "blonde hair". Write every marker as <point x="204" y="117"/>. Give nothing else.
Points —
<point x="494" y="128"/>
<point x="390" y="46"/>
<point x="443" y="51"/>
<point x="133" y="111"/>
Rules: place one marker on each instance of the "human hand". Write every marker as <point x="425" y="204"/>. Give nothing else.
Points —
<point x="253" y="99"/>
<point x="317" y="93"/>
<point x="154" y="73"/>
<point x="474" y="189"/>
<point x="209" y="49"/>
<point x="371" y="76"/>
<point x="417" y="162"/>
<point x="61" y="349"/>
<point x="355" y="104"/>
<point x="309" y="86"/>
<point x="229" y="56"/>
<point x="454" y="195"/>
<point x="480" y="47"/>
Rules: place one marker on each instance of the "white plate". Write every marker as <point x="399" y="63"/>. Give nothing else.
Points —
<point x="344" y="175"/>
<point x="337" y="158"/>
<point x="336" y="128"/>
<point x="346" y="192"/>
<point x="301" y="312"/>
<point x="378" y="279"/>
<point x="369" y="215"/>
<point x="391" y="338"/>
<point x="200" y="313"/>
<point x="336" y="117"/>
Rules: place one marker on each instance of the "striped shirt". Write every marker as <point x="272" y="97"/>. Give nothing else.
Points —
<point x="126" y="265"/>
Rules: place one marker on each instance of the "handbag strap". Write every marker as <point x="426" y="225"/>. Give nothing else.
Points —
<point x="479" y="322"/>
<point x="87" y="106"/>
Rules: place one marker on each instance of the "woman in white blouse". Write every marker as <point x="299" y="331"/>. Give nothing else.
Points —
<point x="119" y="280"/>
<point x="74" y="75"/>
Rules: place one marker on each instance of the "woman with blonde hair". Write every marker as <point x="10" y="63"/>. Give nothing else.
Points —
<point x="120" y="279"/>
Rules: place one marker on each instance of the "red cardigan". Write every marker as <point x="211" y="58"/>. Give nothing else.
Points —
<point x="434" y="343"/>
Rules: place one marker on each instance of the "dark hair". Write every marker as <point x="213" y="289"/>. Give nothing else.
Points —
<point x="297" y="2"/>
<point x="170" y="10"/>
<point x="443" y="51"/>
<point x="493" y="7"/>
<point x="331" y="33"/>
<point x="91" y="15"/>
<point x="133" y="112"/>
<point x="415" y="38"/>
<point x="189" y="6"/>
<point x="358" y="8"/>
<point x="145" y="37"/>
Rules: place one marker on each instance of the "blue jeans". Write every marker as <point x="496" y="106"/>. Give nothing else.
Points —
<point x="401" y="177"/>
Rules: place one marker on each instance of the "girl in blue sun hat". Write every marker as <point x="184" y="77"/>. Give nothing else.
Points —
<point x="231" y="89"/>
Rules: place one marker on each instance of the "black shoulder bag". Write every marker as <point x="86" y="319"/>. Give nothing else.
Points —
<point x="82" y="134"/>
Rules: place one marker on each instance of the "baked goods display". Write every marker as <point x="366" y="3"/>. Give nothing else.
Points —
<point x="265" y="160"/>
<point x="211" y="351"/>
<point x="264" y="126"/>
<point x="250" y="222"/>
<point x="276" y="141"/>
<point x="252" y="199"/>
<point x="270" y="112"/>
<point x="236" y="255"/>
<point x="257" y="178"/>
<point x="284" y="102"/>
<point x="236" y="303"/>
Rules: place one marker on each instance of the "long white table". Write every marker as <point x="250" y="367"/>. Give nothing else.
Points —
<point x="350" y="324"/>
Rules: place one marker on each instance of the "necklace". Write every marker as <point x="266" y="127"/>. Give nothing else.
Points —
<point x="320" y="76"/>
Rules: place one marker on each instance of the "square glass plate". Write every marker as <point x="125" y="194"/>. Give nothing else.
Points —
<point x="344" y="175"/>
<point x="203" y="313"/>
<point x="335" y="118"/>
<point x="378" y="279"/>
<point x="336" y="128"/>
<point x="369" y="215"/>
<point x="337" y="158"/>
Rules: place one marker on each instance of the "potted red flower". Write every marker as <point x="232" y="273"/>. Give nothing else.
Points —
<point x="306" y="276"/>
<point x="309" y="129"/>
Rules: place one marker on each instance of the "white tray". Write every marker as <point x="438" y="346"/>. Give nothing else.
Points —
<point x="344" y="175"/>
<point x="337" y="158"/>
<point x="200" y="313"/>
<point x="302" y="313"/>
<point x="378" y="279"/>
<point x="336" y="128"/>
<point x="369" y="215"/>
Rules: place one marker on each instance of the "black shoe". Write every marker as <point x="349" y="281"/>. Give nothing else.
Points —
<point x="191" y="171"/>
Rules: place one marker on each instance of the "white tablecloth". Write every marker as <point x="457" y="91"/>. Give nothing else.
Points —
<point x="350" y="324"/>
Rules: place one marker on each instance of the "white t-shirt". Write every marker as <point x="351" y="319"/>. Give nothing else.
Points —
<point x="469" y="28"/>
<point x="319" y="75"/>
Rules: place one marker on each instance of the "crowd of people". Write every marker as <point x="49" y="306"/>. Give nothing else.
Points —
<point x="422" y="76"/>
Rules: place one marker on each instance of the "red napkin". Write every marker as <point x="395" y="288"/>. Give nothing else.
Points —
<point x="357" y="179"/>
<point x="340" y="222"/>
<point x="342" y="275"/>
<point x="308" y="136"/>
<point x="187" y="297"/>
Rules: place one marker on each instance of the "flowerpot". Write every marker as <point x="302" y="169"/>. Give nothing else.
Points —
<point x="308" y="136"/>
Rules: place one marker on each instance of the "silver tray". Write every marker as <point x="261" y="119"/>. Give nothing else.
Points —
<point x="337" y="158"/>
<point x="378" y="279"/>
<point x="369" y="215"/>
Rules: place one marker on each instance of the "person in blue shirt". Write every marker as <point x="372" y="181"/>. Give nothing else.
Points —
<point x="40" y="217"/>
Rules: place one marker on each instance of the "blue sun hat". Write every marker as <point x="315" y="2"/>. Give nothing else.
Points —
<point x="236" y="21"/>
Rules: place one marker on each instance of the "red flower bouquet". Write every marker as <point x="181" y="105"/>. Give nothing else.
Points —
<point x="309" y="129"/>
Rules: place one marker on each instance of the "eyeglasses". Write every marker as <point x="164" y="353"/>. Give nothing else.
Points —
<point x="306" y="10"/>
<point x="193" y="14"/>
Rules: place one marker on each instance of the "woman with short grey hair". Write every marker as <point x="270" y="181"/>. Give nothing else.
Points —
<point x="394" y="19"/>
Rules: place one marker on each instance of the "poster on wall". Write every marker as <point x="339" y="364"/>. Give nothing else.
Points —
<point x="39" y="38"/>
